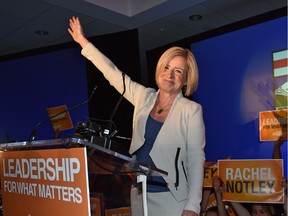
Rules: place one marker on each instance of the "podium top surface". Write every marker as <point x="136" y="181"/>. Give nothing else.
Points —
<point x="55" y="143"/>
<point x="77" y="142"/>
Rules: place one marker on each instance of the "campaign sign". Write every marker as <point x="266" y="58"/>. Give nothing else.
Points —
<point x="45" y="182"/>
<point x="60" y="118"/>
<point x="124" y="211"/>
<point x="273" y="124"/>
<point x="210" y="170"/>
<point x="252" y="180"/>
<point x="96" y="204"/>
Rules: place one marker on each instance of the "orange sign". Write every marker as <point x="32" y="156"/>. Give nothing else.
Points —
<point x="210" y="170"/>
<point x="60" y="118"/>
<point x="96" y="206"/>
<point x="45" y="182"/>
<point x="252" y="180"/>
<point x="273" y="124"/>
<point x="211" y="201"/>
<point x="125" y="211"/>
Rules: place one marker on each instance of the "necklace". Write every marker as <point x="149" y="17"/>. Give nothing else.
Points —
<point x="160" y="111"/>
<point x="163" y="108"/>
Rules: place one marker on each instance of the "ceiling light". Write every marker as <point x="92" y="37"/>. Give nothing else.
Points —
<point x="195" y="17"/>
<point x="41" y="32"/>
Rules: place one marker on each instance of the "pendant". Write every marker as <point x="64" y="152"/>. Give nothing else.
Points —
<point x="160" y="111"/>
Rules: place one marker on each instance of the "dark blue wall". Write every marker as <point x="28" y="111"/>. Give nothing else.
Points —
<point x="31" y="84"/>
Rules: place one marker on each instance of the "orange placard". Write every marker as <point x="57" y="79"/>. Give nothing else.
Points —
<point x="210" y="170"/>
<point x="61" y="120"/>
<point x="118" y="212"/>
<point x="273" y="124"/>
<point x="45" y="182"/>
<point x="211" y="201"/>
<point x="252" y="180"/>
<point x="96" y="205"/>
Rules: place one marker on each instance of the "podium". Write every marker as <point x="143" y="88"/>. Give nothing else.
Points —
<point x="40" y="160"/>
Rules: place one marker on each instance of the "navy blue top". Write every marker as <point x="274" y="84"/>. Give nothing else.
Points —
<point x="154" y="183"/>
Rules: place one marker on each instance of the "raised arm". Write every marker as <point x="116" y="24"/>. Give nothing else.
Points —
<point x="240" y="209"/>
<point x="218" y="188"/>
<point x="277" y="148"/>
<point x="204" y="202"/>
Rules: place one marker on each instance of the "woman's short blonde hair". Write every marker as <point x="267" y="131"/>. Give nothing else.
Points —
<point x="191" y="68"/>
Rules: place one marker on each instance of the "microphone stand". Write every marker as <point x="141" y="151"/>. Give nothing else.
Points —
<point x="109" y="134"/>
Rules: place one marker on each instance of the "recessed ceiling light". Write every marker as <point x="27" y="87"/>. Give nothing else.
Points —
<point x="41" y="32"/>
<point x="195" y="17"/>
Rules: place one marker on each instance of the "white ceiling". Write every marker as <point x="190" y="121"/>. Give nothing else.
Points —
<point x="159" y="22"/>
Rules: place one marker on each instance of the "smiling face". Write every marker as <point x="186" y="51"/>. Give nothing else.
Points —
<point x="179" y="65"/>
<point x="172" y="77"/>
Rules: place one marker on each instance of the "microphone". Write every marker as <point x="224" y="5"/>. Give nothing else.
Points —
<point x="33" y="133"/>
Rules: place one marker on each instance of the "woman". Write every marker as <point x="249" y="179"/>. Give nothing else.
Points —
<point x="168" y="129"/>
